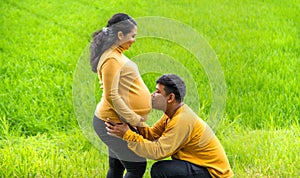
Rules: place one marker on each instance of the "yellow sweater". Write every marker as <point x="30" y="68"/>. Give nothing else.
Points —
<point x="124" y="93"/>
<point x="185" y="137"/>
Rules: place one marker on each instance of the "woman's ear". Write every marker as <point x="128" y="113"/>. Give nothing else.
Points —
<point x="120" y="35"/>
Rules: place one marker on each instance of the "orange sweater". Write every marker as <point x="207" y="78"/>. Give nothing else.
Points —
<point x="124" y="93"/>
<point x="185" y="137"/>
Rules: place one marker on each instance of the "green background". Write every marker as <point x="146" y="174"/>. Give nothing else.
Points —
<point x="257" y="45"/>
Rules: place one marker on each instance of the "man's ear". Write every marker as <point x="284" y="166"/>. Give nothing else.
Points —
<point x="120" y="35"/>
<point x="171" y="98"/>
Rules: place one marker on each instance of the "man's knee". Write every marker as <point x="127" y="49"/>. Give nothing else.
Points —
<point x="158" y="169"/>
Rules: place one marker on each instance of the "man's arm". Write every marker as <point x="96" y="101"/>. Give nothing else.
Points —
<point x="154" y="132"/>
<point x="173" y="137"/>
<point x="145" y="133"/>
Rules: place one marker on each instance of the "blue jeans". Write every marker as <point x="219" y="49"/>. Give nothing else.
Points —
<point x="120" y="156"/>
<point x="178" y="169"/>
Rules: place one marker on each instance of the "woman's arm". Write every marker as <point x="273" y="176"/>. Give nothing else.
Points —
<point x="110" y="72"/>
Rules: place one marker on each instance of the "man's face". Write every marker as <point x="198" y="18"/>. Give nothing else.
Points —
<point x="159" y="98"/>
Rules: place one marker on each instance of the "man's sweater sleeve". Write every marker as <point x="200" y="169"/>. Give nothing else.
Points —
<point x="171" y="140"/>
<point x="154" y="132"/>
<point x="110" y="78"/>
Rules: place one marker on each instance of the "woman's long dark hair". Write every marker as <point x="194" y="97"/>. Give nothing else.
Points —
<point x="106" y="37"/>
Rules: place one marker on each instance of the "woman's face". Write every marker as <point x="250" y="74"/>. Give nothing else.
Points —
<point x="127" y="40"/>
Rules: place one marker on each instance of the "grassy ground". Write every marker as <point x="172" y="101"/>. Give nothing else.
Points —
<point x="252" y="153"/>
<point x="257" y="44"/>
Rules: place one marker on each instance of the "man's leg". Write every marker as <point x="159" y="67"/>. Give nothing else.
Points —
<point x="178" y="169"/>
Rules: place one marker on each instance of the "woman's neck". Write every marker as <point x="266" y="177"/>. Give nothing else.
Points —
<point x="120" y="49"/>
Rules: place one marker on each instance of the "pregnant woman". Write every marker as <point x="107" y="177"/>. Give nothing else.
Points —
<point x="125" y="97"/>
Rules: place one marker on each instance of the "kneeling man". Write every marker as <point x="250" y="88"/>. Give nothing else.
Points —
<point x="179" y="133"/>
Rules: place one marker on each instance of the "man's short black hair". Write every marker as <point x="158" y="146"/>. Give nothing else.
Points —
<point x="173" y="84"/>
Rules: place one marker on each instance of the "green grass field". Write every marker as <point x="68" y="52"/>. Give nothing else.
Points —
<point x="257" y="44"/>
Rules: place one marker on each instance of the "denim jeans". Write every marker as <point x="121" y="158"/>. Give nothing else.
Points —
<point x="178" y="169"/>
